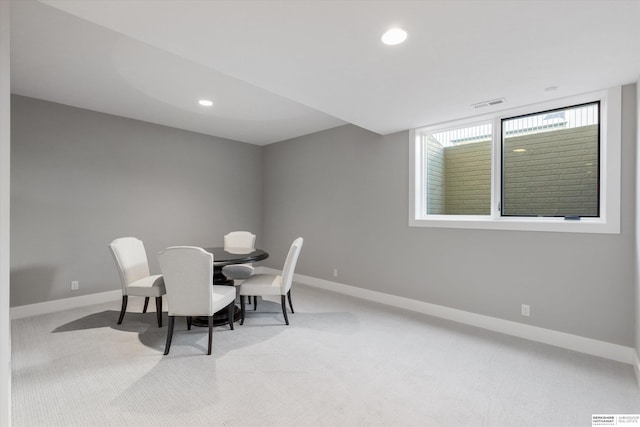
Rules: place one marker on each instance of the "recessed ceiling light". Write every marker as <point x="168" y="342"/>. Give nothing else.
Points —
<point x="205" y="103"/>
<point x="394" y="36"/>
<point x="519" y="150"/>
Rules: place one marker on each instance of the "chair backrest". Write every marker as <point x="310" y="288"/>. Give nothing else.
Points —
<point x="131" y="260"/>
<point x="240" y="239"/>
<point x="188" y="278"/>
<point x="290" y="264"/>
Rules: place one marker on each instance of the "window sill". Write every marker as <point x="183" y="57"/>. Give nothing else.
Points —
<point x="561" y="225"/>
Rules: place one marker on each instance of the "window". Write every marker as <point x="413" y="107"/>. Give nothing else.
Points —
<point x="550" y="167"/>
<point x="550" y="163"/>
<point x="457" y="164"/>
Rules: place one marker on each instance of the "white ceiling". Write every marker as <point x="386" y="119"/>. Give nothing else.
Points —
<point x="280" y="69"/>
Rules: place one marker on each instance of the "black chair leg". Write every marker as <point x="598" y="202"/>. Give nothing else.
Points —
<point x="231" y="312"/>
<point x="242" y="310"/>
<point x="289" y="296"/>
<point x="255" y="302"/>
<point x="210" y="334"/>
<point x="189" y="320"/>
<point x="169" y="334"/>
<point x="159" y="311"/>
<point x="125" y="298"/>
<point x="146" y="304"/>
<point x="283" y="302"/>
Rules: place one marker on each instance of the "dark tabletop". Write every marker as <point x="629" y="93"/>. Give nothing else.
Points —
<point x="236" y="255"/>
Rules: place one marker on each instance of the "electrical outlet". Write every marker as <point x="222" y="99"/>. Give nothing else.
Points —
<point x="335" y="272"/>
<point x="526" y="310"/>
<point x="74" y="285"/>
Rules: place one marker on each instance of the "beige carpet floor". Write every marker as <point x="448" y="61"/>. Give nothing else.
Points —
<point x="341" y="362"/>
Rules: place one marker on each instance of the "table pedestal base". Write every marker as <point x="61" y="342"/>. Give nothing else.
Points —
<point x="219" y="318"/>
<point x="219" y="279"/>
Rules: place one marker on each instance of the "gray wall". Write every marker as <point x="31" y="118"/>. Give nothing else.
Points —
<point x="345" y="190"/>
<point x="5" y="200"/>
<point x="637" y="223"/>
<point x="82" y="178"/>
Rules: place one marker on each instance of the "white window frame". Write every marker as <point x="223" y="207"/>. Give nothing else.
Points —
<point x="610" y="164"/>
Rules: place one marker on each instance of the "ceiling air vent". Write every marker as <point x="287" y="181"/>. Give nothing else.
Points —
<point x="488" y="103"/>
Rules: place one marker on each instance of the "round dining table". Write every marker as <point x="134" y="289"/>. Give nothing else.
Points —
<point x="227" y="256"/>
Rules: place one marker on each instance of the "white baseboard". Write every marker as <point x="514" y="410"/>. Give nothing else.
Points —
<point x="585" y="345"/>
<point x="577" y="343"/>
<point x="29" y="310"/>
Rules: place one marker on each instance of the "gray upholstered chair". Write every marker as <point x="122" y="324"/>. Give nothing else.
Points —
<point x="188" y="276"/>
<point x="272" y="284"/>
<point x="131" y="261"/>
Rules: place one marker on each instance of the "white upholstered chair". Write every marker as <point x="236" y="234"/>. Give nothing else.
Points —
<point x="239" y="240"/>
<point x="188" y="276"/>
<point x="131" y="261"/>
<point x="273" y="284"/>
